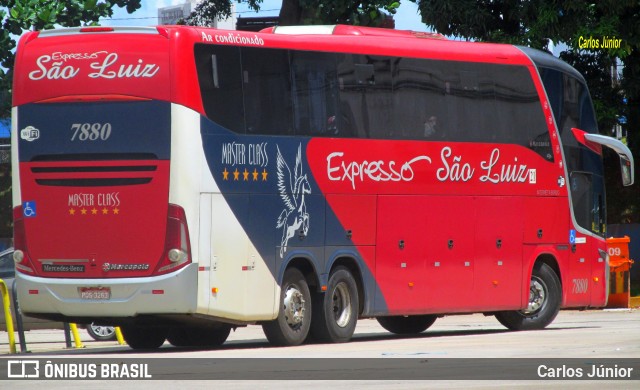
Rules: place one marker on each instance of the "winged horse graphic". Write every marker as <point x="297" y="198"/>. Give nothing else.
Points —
<point x="292" y="191"/>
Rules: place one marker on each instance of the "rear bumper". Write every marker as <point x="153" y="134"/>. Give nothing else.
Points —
<point x="174" y="293"/>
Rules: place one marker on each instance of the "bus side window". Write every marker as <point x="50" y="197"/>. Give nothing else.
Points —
<point x="267" y="91"/>
<point x="520" y="110"/>
<point x="418" y="98"/>
<point x="315" y="94"/>
<point x="353" y="108"/>
<point x="365" y="75"/>
<point x="220" y="83"/>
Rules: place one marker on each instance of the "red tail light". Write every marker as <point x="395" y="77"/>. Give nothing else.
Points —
<point x="20" y="242"/>
<point x="96" y="29"/>
<point x="177" y="249"/>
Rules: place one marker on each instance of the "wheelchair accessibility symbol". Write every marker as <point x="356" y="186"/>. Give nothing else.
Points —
<point x="29" y="209"/>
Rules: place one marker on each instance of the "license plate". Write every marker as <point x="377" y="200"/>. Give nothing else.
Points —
<point x="95" y="292"/>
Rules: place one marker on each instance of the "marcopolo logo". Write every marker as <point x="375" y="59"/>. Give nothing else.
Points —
<point x="30" y="133"/>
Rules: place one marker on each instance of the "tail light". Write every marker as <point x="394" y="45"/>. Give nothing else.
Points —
<point x="96" y="29"/>
<point x="177" y="249"/>
<point x="20" y="255"/>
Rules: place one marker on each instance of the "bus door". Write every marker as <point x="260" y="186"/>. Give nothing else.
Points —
<point x="588" y="206"/>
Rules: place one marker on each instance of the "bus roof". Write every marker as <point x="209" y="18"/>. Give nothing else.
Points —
<point x="364" y="40"/>
<point x="47" y="62"/>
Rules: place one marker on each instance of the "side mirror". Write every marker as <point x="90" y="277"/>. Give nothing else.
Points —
<point x="593" y="141"/>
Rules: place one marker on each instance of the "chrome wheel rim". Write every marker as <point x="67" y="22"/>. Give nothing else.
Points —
<point x="341" y="303"/>
<point x="294" y="307"/>
<point x="537" y="296"/>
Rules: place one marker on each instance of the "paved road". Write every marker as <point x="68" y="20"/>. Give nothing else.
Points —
<point x="574" y="334"/>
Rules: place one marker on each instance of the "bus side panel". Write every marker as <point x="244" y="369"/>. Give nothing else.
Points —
<point x="499" y="236"/>
<point x="204" y="252"/>
<point x="546" y="225"/>
<point x="546" y="220"/>
<point x="425" y="253"/>
<point x="351" y="232"/>
<point x="229" y="244"/>
<point x="583" y="255"/>
<point x="400" y="255"/>
<point x="450" y="252"/>
<point x="357" y="224"/>
<point x="241" y="284"/>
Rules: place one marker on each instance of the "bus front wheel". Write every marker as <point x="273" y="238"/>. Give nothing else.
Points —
<point x="335" y="312"/>
<point x="407" y="324"/>
<point x="139" y="337"/>
<point x="291" y="327"/>
<point x="545" y="295"/>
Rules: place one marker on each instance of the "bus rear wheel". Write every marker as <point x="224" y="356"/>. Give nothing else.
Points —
<point x="544" y="302"/>
<point x="199" y="337"/>
<point x="407" y="324"/>
<point x="291" y="327"/>
<point x="335" y="313"/>
<point x="143" y="337"/>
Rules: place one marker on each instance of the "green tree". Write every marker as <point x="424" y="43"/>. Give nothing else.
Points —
<point x="18" y="16"/>
<point x="537" y="23"/>
<point x="296" y="12"/>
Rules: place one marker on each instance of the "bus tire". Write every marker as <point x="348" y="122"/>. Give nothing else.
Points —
<point x="335" y="312"/>
<point x="291" y="327"/>
<point x="199" y="337"/>
<point x="142" y="337"/>
<point x="179" y="337"/>
<point x="407" y="324"/>
<point x="545" y="296"/>
<point x="213" y="337"/>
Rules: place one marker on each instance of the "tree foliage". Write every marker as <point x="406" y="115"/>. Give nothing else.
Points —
<point x="531" y="23"/>
<point x="18" y="16"/>
<point x="296" y="12"/>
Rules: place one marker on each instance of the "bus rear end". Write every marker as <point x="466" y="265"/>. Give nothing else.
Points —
<point x="95" y="235"/>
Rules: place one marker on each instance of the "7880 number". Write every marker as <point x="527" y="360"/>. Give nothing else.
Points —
<point x="91" y="131"/>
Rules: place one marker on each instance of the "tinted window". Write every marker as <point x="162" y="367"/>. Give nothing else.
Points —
<point x="270" y="91"/>
<point x="572" y="108"/>
<point x="220" y="77"/>
<point x="266" y="84"/>
<point x="315" y="94"/>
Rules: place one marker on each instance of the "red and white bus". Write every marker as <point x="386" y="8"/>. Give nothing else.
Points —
<point x="182" y="181"/>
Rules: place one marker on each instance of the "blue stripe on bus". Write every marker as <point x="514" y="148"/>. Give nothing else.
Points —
<point x="245" y="168"/>
<point x="57" y="128"/>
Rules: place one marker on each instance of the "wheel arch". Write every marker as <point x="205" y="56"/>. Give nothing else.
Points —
<point x="551" y="261"/>
<point x="304" y="264"/>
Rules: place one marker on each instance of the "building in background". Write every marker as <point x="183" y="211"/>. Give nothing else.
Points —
<point x="174" y="13"/>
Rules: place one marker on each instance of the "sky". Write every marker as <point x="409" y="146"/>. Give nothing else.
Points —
<point x="407" y="17"/>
